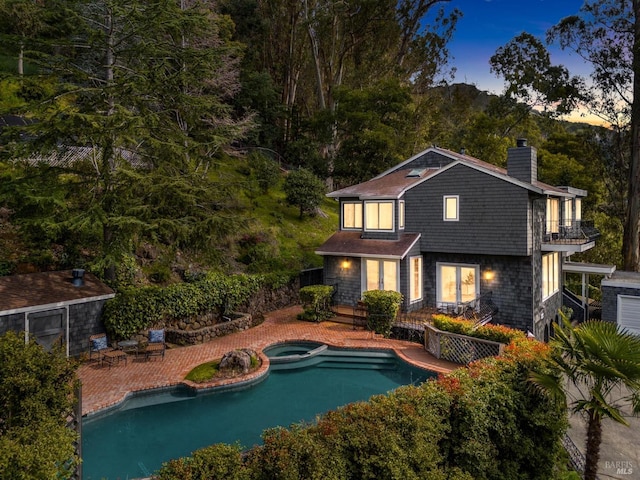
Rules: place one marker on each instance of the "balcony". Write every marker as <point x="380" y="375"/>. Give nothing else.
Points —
<point x="574" y="236"/>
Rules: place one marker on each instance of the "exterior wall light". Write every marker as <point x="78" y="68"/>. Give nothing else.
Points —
<point x="345" y="265"/>
<point x="489" y="275"/>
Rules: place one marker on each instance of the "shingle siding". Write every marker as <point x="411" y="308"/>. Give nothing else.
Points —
<point x="494" y="215"/>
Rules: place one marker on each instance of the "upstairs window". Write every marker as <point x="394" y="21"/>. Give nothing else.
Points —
<point x="401" y="215"/>
<point x="379" y="215"/>
<point x="578" y="207"/>
<point x="568" y="212"/>
<point x="553" y="215"/>
<point x="352" y="215"/>
<point x="450" y="207"/>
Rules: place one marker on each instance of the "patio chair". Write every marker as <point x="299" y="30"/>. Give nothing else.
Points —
<point x="156" y="345"/>
<point x="98" y="346"/>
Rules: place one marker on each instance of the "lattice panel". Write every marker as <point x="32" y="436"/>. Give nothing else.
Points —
<point x="459" y="348"/>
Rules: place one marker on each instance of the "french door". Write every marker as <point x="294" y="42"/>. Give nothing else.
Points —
<point x="457" y="283"/>
<point x="380" y="274"/>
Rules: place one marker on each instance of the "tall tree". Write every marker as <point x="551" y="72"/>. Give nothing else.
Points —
<point x="602" y="366"/>
<point x="606" y="33"/>
<point x="144" y="92"/>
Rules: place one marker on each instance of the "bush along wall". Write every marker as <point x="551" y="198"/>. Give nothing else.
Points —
<point x="316" y="303"/>
<point x="481" y="422"/>
<point x="136" y="309"/>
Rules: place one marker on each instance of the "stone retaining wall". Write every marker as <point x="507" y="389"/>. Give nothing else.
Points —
<point x="202" y="334"/>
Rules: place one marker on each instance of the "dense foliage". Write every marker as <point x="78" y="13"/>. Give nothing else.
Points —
<point x="494" y="333"/>
<point x="595" y="369"/>
<point x="37" y="394"/>
<point x="316" y="302"/>
<point x="382" y="308"/>
<point x="176" y="106"/>
<point x="136" y="309"/>
<point x="481" y="422"/>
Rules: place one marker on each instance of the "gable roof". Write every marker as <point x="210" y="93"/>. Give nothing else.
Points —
<point x="48" y="290"/>
<point x="394" y="182"/>
<point x="350" y="244"/>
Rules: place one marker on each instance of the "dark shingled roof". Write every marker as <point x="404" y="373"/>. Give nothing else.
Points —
<point x="22" y="292"/>
<point x="350" y="244"/>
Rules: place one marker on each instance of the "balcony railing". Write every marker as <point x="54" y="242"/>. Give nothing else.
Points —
<point x="575" y="232"/>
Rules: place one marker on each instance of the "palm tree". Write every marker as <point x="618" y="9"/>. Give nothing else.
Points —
<point x="599" y="360"/>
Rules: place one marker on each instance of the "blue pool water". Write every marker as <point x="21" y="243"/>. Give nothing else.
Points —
<point x="148" y="430"/>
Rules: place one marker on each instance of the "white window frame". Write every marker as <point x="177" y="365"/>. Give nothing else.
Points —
<point x="458" y="267"/>
<point x="552" y="215"/>
<point x="363" y="269"/>
<point x="357" y="219"/>
<point x="578" y="209"/>
<point x="377" y="228"/>
<point x="550" y="274"/>
<point x="401" y="215"/>
<point x="568" y="212"/>
<point x="445" y="212"/>
<point x="415" y="279"/>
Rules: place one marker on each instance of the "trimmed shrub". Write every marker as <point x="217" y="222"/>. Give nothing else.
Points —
<point x="382" y="309"/>
<point x="316" y="303"/>
<point x="495" y="333"/>
<point x="217" y="462"/>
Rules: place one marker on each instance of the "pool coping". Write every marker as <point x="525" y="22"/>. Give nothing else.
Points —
<point x="248" y="380"/>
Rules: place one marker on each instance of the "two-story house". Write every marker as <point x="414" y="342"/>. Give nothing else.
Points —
<point x="444" y="229"/>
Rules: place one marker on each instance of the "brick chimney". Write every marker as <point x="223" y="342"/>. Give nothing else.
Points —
<point x="522" y="162"/>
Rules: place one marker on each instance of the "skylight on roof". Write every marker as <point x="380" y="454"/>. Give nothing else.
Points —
<point x="416" y="172"/>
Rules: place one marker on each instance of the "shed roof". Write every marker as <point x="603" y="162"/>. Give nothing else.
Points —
<point x="39" y="291"/>
<point x="350" y="244"/>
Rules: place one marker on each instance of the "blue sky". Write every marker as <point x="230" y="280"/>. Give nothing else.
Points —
<point x="489" y="24"/>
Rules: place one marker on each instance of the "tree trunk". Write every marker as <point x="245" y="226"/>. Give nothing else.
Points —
<point x="631" y="241"/>
<point x="594" y="438"/>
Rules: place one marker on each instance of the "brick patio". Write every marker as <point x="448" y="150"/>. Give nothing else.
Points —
<point x="104" y="387"/>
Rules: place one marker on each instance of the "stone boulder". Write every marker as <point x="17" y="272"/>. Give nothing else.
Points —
<point x="237" y="360"/>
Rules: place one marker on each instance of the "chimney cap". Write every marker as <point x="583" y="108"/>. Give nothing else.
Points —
<point x="521" y="142"/>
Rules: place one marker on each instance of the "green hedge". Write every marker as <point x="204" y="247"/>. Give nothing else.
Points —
<point x="482" y="422"/>
<point x="135" y="309"/>
<point x="382" y="309"/>
<point x="495" y="333"/>
<point x="316" y="303"/>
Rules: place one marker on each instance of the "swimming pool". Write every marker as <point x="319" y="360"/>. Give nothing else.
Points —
<point x="147" y="430"/>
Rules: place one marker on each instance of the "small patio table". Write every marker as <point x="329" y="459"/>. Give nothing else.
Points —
<point x="129" y="346"/>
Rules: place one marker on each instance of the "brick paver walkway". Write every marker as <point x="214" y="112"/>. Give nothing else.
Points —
<point x="104" y="387"/>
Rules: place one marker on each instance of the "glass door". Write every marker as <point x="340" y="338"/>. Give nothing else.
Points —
<point x="381" y="274"/>
<point x="457" y="284"/>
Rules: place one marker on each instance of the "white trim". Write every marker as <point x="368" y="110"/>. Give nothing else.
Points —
<point x="444" y="208"/>
<point x="420" y="281"/>
<point x="50" y="306"/>
<point x="378" y="202"/>
<point x="567" y="247"/>
<point x="594" y="268"/>
<point x="632" y="329"/>
<point x="363" y="273"/>
<point x="342" y="216"/>
<point x="439" y="265"/>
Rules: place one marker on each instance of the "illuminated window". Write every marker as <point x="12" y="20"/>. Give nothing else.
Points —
<point x="401" y="214"/>
<point x="550" y="274"/>
<point x="451" y="208"/>
<point x="352" y="215"/>
<point x="415" y="279"/>
<point x="578" y="206"/>
<point x="378" y="215"/>
<point x="553" y="215"/>
<point x="381" y="275"/>
<point x="568" y="212"/>
<point x="457" y="283"/>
